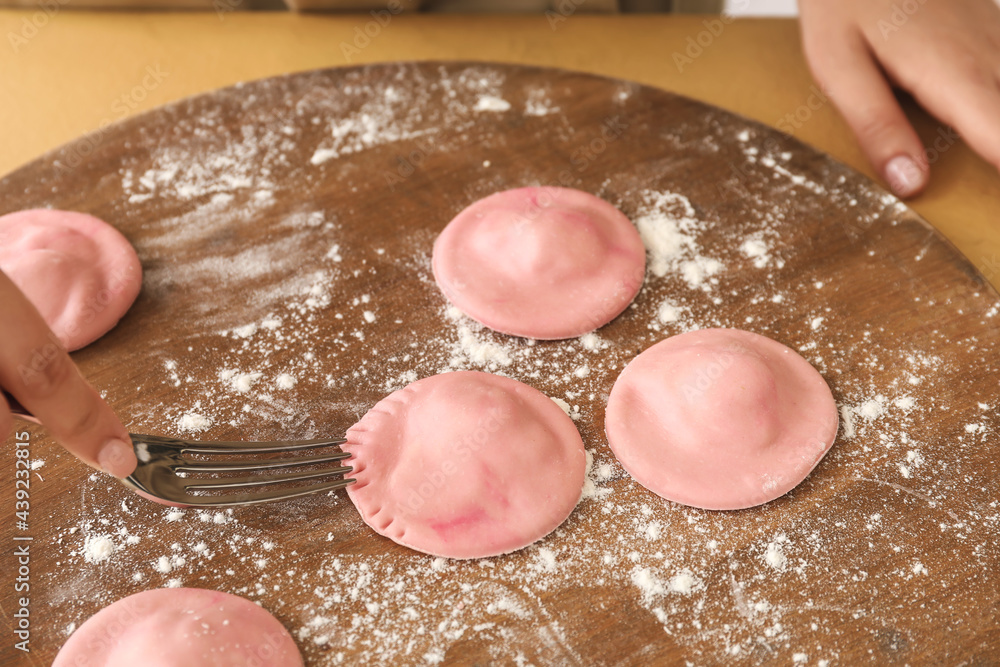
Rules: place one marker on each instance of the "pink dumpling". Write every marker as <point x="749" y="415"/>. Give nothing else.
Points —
<point x="466" y="465"/>
<point x="181" y="627"/>
<point x="540" y="262"/>
<point x="79" y="272"/>
<point x="720" y="419"/>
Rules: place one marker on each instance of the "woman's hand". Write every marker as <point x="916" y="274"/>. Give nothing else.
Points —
<point x="946" y="53"/>
<point x="38" y="372"/>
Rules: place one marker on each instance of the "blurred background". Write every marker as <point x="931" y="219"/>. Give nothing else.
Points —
<point x="733" y="7"/>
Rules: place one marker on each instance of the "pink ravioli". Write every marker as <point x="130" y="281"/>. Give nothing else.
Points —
<point x="181" y="627"/>
<point x="720" y="419"/>
<point x="80" y="273"/>
<point x="466" y="465"/>
<point x="540" y="262"/>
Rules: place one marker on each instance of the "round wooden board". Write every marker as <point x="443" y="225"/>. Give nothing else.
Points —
<point x="285" y="227"/>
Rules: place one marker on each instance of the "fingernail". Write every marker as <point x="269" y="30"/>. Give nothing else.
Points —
<point x="117" y="458"/>
<point x="904" y="176"/>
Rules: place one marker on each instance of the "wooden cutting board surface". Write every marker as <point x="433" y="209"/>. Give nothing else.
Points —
<point x="285" y="228"/>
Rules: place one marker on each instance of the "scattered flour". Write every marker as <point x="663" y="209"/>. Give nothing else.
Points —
<point x="684" y="583"/>
<point x="470" y="349"/>
<point x="668" y="312"/>
<point x="400" y="607"/>
<point x="374" y="125"/>
<point x="774" y="555"/>
<point x="872" y="408"/>
<point x="240" y="382"/>
<point x="905" y="403"/>
<point x="592" y="342"/>
<point x="491" y="103"/>
<point x="98" y="548"/>
<point x="669" y="228"/>
<point x="757" y="250"/>
<point x="193" y="422"/>
<point x="562" y="404"/>
<point x="539" y="104"/>
<point x="648" y="584"/>
<point x="245" y="331"/>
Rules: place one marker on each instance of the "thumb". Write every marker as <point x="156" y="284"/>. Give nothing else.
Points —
<point x="845" y="68"/>
<point x="39" y="374"/>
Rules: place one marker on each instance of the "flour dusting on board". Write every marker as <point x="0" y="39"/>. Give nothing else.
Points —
<point x="667" y="225"/>
<point x="377" y="122"/>
<point x="310" y="337"/>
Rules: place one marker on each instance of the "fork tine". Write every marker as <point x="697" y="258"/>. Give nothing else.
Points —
<point x="243" y="464"/>
<point x="262" y="480"/>
<point x="282" y="494"/>
<point x="256" y="497"/>
<point x="164" y="468"/>
<point x="234" y="447"/>
<point x="224" y="447"/>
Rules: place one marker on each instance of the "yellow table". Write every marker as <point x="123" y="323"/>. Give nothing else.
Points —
<point x="65" y="73"/>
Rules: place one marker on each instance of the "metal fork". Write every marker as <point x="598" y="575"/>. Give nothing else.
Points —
<point x="167" y="470"/>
